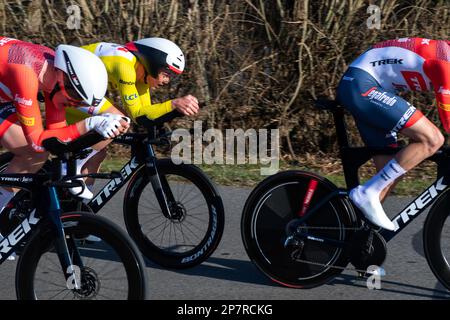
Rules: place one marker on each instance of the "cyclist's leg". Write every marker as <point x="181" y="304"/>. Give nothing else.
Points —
<point x="25" y="159"/>
<point x="380" y="162"/>
<point x="379" y="115"/>
<point x="425" y="139"/>
<point x="92" y="163"/>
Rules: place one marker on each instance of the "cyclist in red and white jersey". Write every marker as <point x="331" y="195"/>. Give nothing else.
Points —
<point x="66" y="76"/>
<point x="369" y="89"/>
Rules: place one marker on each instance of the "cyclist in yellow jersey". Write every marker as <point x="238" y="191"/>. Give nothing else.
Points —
<point x="134" y="69"/>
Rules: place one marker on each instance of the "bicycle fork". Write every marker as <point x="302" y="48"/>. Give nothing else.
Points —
<point x="69" y="258"/>
<point x="159" y="183"/>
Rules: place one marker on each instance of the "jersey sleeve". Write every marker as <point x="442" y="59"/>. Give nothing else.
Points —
<point x="54" y="118"/>
<point x="439" y="73"/>
<point x="24" y="87"/>
<point x="135" y="96"/>
<point x="155" y="110"/>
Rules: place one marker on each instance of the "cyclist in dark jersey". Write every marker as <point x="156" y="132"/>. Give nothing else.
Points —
<point x="369" y="90"/>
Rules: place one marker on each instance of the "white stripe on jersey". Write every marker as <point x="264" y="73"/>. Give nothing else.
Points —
<point x="386" y="65"/>
<point x="105" y="49"/>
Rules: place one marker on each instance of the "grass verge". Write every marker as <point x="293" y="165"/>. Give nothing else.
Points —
<point x="248" y="175"/>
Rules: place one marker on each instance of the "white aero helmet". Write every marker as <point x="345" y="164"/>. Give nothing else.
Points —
<point x="156" y="54"/>
<point x="85" y="72"/>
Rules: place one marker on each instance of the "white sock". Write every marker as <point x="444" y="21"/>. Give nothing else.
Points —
<point x="391" y="171"/>
<point x="5" y="197"/>
<point x="80" y="163"/>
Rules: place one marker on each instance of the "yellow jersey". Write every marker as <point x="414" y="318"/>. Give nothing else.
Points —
<point x="121" y="67"/>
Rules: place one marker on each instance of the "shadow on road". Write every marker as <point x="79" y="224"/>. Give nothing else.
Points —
<point x="439" y="292"/>
<point x="224" y="269"/>
<point x="246" y="272"/>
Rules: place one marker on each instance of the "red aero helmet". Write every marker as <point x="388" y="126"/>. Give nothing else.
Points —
<point x="156" y="54"/>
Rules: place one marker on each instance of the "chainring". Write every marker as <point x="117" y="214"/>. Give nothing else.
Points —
<point x="367" y="248"/>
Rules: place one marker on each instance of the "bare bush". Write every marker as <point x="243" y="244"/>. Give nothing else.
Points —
<point x="257" y="63"/>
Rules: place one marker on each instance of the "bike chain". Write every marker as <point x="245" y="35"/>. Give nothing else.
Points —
<point x="360" y="272"/>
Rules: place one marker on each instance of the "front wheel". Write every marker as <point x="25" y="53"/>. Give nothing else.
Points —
<point x="112" y="268"/>
<point x="436" y="239"/>
<point x="194" y="230"/>
<point x="271" y="210"/>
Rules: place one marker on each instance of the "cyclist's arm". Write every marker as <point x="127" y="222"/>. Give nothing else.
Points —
<point x="24" y="90"/>
<point x="130" y="94"/>
<point x="93" y="111"/>
<point x="155" y="110"/>
<point x="439" y="73"/>
<point x="54" y="119"/>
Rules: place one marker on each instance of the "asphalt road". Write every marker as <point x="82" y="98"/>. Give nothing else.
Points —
<point x="228" y="274"/>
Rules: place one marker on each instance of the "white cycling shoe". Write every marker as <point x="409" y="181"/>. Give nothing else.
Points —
<point x="371" y="207"/>
<point x="86" y="194"/>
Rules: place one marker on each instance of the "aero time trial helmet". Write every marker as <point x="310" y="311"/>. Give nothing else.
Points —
<point x="156" y="54"/>
<point x="84" y="72"/>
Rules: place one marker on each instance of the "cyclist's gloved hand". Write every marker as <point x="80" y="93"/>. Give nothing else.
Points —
<point x="108" y="127"/>
<point x="117" y="117"/>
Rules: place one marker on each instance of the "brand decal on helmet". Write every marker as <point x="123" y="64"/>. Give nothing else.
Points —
<point x="95" y="102"/>
<point x="73" y="76"/>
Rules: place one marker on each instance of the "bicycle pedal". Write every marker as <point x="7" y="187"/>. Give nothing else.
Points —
<point x="291" y="242"/>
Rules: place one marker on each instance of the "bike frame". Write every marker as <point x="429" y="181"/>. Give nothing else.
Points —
<point x="142" y="153"/>
<point x="47" y="207"/>
<point x="354" y="157"/>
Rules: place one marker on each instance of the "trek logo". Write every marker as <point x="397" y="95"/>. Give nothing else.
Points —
<point x="425" y="198"/>
<point x="401" y="123"/>
<point x="386" y="61"/>
<point x="11" y="179"/>
<point x="7" y="244"/>
<point x="115" y="183"/>
<point x="26" y="102"/>
<point x="374" y="94"/>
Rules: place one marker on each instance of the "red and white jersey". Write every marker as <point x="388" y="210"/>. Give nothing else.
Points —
<point x="20" y="65"/>
<point x="411" y="64"/>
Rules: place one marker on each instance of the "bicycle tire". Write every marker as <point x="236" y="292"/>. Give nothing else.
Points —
<point x="75" y="224"/>
<point x="437" y="249"/>
<point x="271" y="206"/>
<point x="210" y="234"/>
